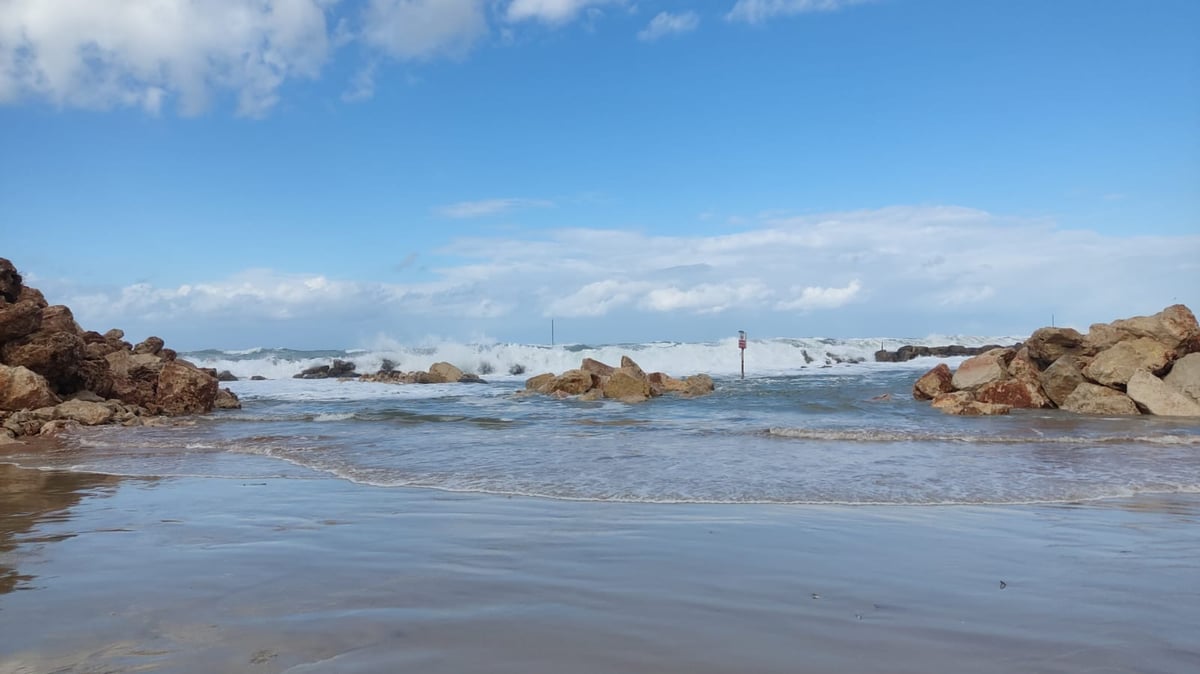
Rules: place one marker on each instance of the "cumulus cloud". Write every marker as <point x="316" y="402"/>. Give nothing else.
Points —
<point x="486" y="207"/>
<point x="552" y="12"/>
<point x="422" y="29"/>
<point x="666" y="23"/>
<point x="893" y="270"/>
<point x="758" y="11"/>
<point x="115" y="53"/>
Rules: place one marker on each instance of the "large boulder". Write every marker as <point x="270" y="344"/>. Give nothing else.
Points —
<point x="86" y="413"/>
<point x="444" y="373"/>
<point x="628" y="363"/>
<point x="1047" y="345"/>
<point x="1116" y="364"/>
<point x="22" y="388"/>
<point x="19" y="319"/>
<point x="982" y="369"/>
<point x="1060" y="379"/>
<point x="627" y="384"/>
<point x="1185" y="375"/>
<point x="1157" y="397"/>
<point x="1088" y="398"/>
<point x="934" y="383"/>
<point x="151" y="345"/>
<point x="1020" y="393"/>
<point x="1171" y="327"/>
<point x="184" y="389"/>
<point x="572" y="382"/>
<point x="227" y="400"/>
<point x="596" y="367"/>
<point x="10" y="281"/>
<point x="698" y="385"/>
<point x="963" y="403"/>
<point x="54" y="355"/>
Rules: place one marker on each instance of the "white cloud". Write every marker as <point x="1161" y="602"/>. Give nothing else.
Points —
<point x="423" y="29"/>
<point x="758" y="11"/>
<point x="814" y="297"/>
<point x="666" y="23"/>
<point x="552" y="12"/>
<point x="117" y="53"/>
<point x="485" y="207"/>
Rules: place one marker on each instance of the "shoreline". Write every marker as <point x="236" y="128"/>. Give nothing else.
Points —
<point x="277" y="574"/>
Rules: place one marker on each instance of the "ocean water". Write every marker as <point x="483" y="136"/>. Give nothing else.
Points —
<point x="821" y="429"/>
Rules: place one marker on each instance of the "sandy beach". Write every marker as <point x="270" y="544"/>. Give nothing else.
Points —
<point x="99" y="573"/>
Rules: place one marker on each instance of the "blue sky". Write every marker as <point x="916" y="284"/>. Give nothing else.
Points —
<point x="324" y="173"/>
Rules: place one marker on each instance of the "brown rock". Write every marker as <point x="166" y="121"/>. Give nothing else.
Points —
<point x="57" y="427"/>
<point x="54" y="355"/>
<point x="982" y="369"/>
<point x="58" y="318"/>
<point x="115" y="335"/>
<point x="628" y="384"/>
<point x="573" y="382"/>
<point x="962" y="403"/>
<point x="1171" y="327"/>
<point x="227" y="400"/>
<point x="934" y="383"/>
<point x="1116" y="364"/>
<point x="698" y="385"/>
<point x="1047" y="345"/>
<point x="596" y="367"/>
<point x="22" y="388"/>
<point x="1018" y="393"/>
<point x="1061" y="378"/>
<point x="1157" y="397"/>
<point x="10" y="281"/>
<point x="19" y="319"/>
<point x="151" y="345"/>
<point x="627" y="363"/>
<point x="444" y="373"/>
<point x="86" y="413"/>
<point x="665" y="383"/>
<point x="183" y="389"/>
<point x="1088" y="398"/>
<point x="536" y="383"/>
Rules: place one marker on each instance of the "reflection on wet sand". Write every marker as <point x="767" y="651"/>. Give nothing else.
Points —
<point x="29" y="498"/>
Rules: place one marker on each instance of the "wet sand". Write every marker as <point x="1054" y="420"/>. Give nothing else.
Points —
<point x="320" y="575"/>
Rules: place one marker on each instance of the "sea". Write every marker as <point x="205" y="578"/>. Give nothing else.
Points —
<point x="811" y="421"/>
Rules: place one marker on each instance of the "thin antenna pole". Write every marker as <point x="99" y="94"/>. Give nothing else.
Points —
<point x="551" y="332"/>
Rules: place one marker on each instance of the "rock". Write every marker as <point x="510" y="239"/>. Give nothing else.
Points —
<point x="226" y="375"/>
<point x="342" y="369"/>
<point x="1116" y="364"/>
<point x="114" y="335"/>
<point x="86" y="413"/>
<point x="1020" y="393"/>
<point x="592" y="395"/>
<point x="54" y="355"/>
<point x="444" y="373"/>
<point x="982" y="369"/>
<point x="22" y="388"/>
<point x="665" y="383"/>
<point x="469" y="378"/>
<point x="1022" y="366"/>
<point x="57" y="427"/>
<point x="87" y="397"/>
<point x="934" y="383"/>
<point x="1185" y="375"/>
<point x="962" y="403"/>
<point x="572" y="382"/>
<point x="1171" y="327"/>
<point x="516" y="369"/>
<point x="538" y="382"/>
<point x="1047" y="345"/>
<point x="314" y="372"/>
<point x="1157" y="397"/>
<point x="10" y="281"/>
<point x="151" y="345"/>
<point x="698" y="385"/>
<point x="227" y="400"/>
<point x="596" y="367"/>
<point x="258" y="377"/>
<point x="627" y="384"/>
<point x="910" y="351"/>
<point x="1088" y="398"/>
<point x="185" y="390"/>
<point x="627" y="363"/>
<point x="1061" y="378"/>
<point x="19" y="319"/>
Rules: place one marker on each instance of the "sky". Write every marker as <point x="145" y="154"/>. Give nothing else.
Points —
<point x="337" y="173"/>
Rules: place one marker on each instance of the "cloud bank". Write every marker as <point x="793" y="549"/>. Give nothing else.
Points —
<point x="890" y="272"/>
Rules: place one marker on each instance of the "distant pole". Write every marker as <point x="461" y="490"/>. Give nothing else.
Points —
<point x="551" y="332"/>
<point x="742" y="348"/>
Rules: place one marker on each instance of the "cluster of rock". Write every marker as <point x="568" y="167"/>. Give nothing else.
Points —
<point x="1140" y="365"/>
<point x="438" y="373"/>
<point x="593" y="380"/>
<point x="909" y="352"/>
<point x="53" y="374"/>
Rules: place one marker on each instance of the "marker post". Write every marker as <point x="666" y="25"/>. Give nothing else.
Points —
<point x="742" y="347"/>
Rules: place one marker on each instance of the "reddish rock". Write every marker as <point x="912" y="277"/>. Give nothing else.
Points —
<point x="1018" y="393"/>
<point x="183" y="389"/>
<point x="962" y="403"/>
<point x="934" y="383"/>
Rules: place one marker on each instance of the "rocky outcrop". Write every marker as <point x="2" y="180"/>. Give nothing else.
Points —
<point x="438" y="373"/>
<point x="910" y="351"/>
<point x="339" y="369"/>
<point x="628" y="383"/>
<point x="45" y="358"/>
<point x="1145" y="364"/>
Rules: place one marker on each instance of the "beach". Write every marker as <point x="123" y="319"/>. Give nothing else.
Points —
<point x="322" y="575"/>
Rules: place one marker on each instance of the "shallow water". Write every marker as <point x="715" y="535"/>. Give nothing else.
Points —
<point x="841" y="435"/>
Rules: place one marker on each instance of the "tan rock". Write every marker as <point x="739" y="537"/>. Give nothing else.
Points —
<point x="573" y="382"/>
<point x="444" y="373"/>
<point x="591" y="395"/>
<point x="536" y="383"/>
<point x="934" y="383"/>
<point x="963" y="403"/>
<point x="982" y="369"/>
<point x="1088" y="398"/>
<point x="1116" y="364"/>
<point x="185" y="390"/>
<point x="86" y="413"/>
<point x="227" y="400"/>
<point x="22" y="388"/>
<point x="1185" y="375"/>
<point x="1022" y="366"/>
<point x="666" y="383"/>
<point x="151" y="346"/>
<point x="58" y="427"/>
<point x="596" y="367"/>
<point x="1171" y="327"/>
<point x="698" y="385"/>
<point x="1047" y="345"/>
<point x="1157" y="397"/>
<point x="1020" y="393"/>
<point x="1061" y="378"/>
<point x="627" y="363"/>
<point x="626" y="385"/>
